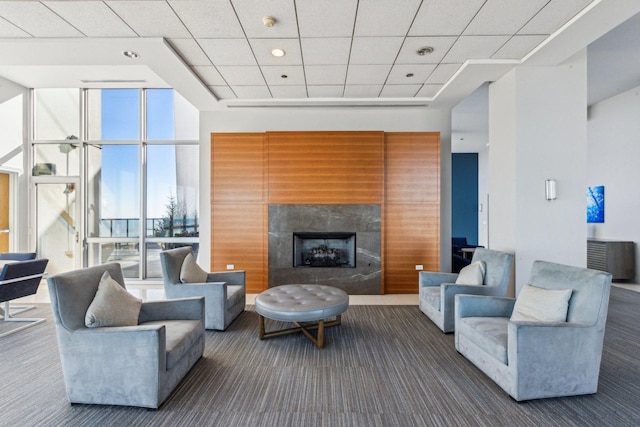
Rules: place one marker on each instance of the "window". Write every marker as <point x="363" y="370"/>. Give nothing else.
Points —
<point x="141" y="178"/>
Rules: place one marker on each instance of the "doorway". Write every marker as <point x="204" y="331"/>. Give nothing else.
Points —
<point x="57" y="225"/>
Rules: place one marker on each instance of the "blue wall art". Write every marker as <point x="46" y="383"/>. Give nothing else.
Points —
<point x="595" y="204"/>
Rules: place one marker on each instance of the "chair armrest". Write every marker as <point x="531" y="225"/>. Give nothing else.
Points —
<point x="236" y="278"/>
<point x="430" y="278"/>
<point x="173" y="309"/>
<point x="483" y="306"/>
<point x="555" y="348"/>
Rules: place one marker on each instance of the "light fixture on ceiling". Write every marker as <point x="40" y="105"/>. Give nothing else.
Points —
<point x="550" y="189"/>
<point x="277" y="52"/>
<point x="269" y="21"/>
<point x="131" y="54"/>
<point x="425" y="50"/>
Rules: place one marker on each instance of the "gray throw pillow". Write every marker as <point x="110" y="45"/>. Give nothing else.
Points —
<point x="190" y="272"/>
<point x="112" y="305"/>
<point x="541" y="305"/>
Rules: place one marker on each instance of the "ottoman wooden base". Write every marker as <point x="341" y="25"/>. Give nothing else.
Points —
<point x="305" y="328"/>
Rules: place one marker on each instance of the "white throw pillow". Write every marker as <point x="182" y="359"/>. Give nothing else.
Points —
<point x="542" y="305"/>
<point x="472" y="274"/>
<point x="191" y="272"/>
<point x="112" y="305"/>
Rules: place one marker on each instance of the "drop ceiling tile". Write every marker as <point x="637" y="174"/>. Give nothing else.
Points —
<point x="444" y="17"/>
<point x="211" y="19"/>
<point x="399" y="74"/>
<point x="367" y="74"/>
<point x="273" y="75"/>
<point x="252" y="92"/>
<point x="262" y="51"/>
<point x="36" y="19"/>
<point x="209" y="75"/>
<point x="325" y="74"/>
<point x="242" y="75"/>
<point x="442" y="73"/>
<point x="518" y="47"/>
<point x="429" y="91"/>
<point x="150" y="18"/>
<point x="228" y="51"/>
<point x="375" y="50"/>
<point x="252" y="12"/>
<point x="326" y="51"/>
<point x="94" y="19"/>
<point x="362" y="91"/>
<point x="326" y="18"/>
<point x="190" y="51"/>
<point x="554" y="15"/>
<point x="284" y="92"/>
<point x="408" y="53"/>
<point x="374" y="18"/>
<point x="503" y="17"/>
<point x="8" y="30"/>
<point x="223" y="92"/>
<point x="335" y="91"/>
<point x="399" y="91"/>
<point x="474" y="47"/>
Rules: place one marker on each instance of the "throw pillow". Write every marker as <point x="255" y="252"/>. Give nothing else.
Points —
<point x="542" y="305"/>
<point x="472" y="274"/>
<point x="191" y="272"/>
<point x="112" y="305"/>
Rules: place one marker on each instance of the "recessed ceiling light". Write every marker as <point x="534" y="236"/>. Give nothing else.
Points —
<point x="278" y="52"/>
<point x="130" y="54"/>
<point x="424" y="50"/>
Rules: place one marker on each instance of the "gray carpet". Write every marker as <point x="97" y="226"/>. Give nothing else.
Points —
<point x="385" y="366"/>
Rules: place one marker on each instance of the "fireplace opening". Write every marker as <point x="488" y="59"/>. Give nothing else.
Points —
<point x="329" y="249"/>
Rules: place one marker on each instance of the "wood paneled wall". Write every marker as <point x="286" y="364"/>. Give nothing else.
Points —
<point x="411" y="209"/>
<point x="399" y="171"/>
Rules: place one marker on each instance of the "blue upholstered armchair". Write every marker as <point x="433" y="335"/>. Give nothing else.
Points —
<point x="224" y="292"/>
<point x="532" y="359"/>
<point x="137" y="365"/>
<point x="438" y="290"/>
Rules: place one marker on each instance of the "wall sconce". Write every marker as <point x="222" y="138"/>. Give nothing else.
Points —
<point x="550" y="189"/>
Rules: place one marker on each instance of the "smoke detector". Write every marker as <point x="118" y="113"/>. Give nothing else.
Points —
<point x="269" y="21"/>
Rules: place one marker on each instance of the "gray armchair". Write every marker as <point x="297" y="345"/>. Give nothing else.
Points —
<point x="224" y="292"/>
<point x="438" y="290"/>
<point x="126" y="365"/>
<point x="531" y="359"/>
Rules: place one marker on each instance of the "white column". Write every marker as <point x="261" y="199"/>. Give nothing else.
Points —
<point x="538" y="131"/>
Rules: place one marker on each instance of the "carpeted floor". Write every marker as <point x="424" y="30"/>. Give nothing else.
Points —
<point x="385" y="366"/>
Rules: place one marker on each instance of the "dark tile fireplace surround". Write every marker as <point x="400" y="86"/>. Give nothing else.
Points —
<point x="325" y="233"/>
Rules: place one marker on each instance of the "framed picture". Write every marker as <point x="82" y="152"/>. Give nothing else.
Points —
<point x="595" y="204"/>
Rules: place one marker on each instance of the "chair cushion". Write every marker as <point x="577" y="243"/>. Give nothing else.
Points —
<point x="431" y="295"/>
<point x="234" y="294"/>
<point x="180" y="337"/>
<point x="191" y="272"/>
<point x="112" y="305"/>
<point x="472" y="274"/>
<point x="541" y="305"/>
<point x="488" y="333"/>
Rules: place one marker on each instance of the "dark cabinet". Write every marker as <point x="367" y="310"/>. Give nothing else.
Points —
<point x="615" y="257"/>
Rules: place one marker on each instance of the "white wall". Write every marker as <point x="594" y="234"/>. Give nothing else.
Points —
<point x="13" y="106"/>
<point x="612" y="161"/>
<point x="399" y="119"/>
<point x="538" y="130"/>
<point x="483" y="196"/>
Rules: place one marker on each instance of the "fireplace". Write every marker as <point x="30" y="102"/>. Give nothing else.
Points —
<point x="320" y="249"/>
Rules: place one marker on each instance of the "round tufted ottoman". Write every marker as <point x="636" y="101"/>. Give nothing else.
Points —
<point x="300" y="304"/>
